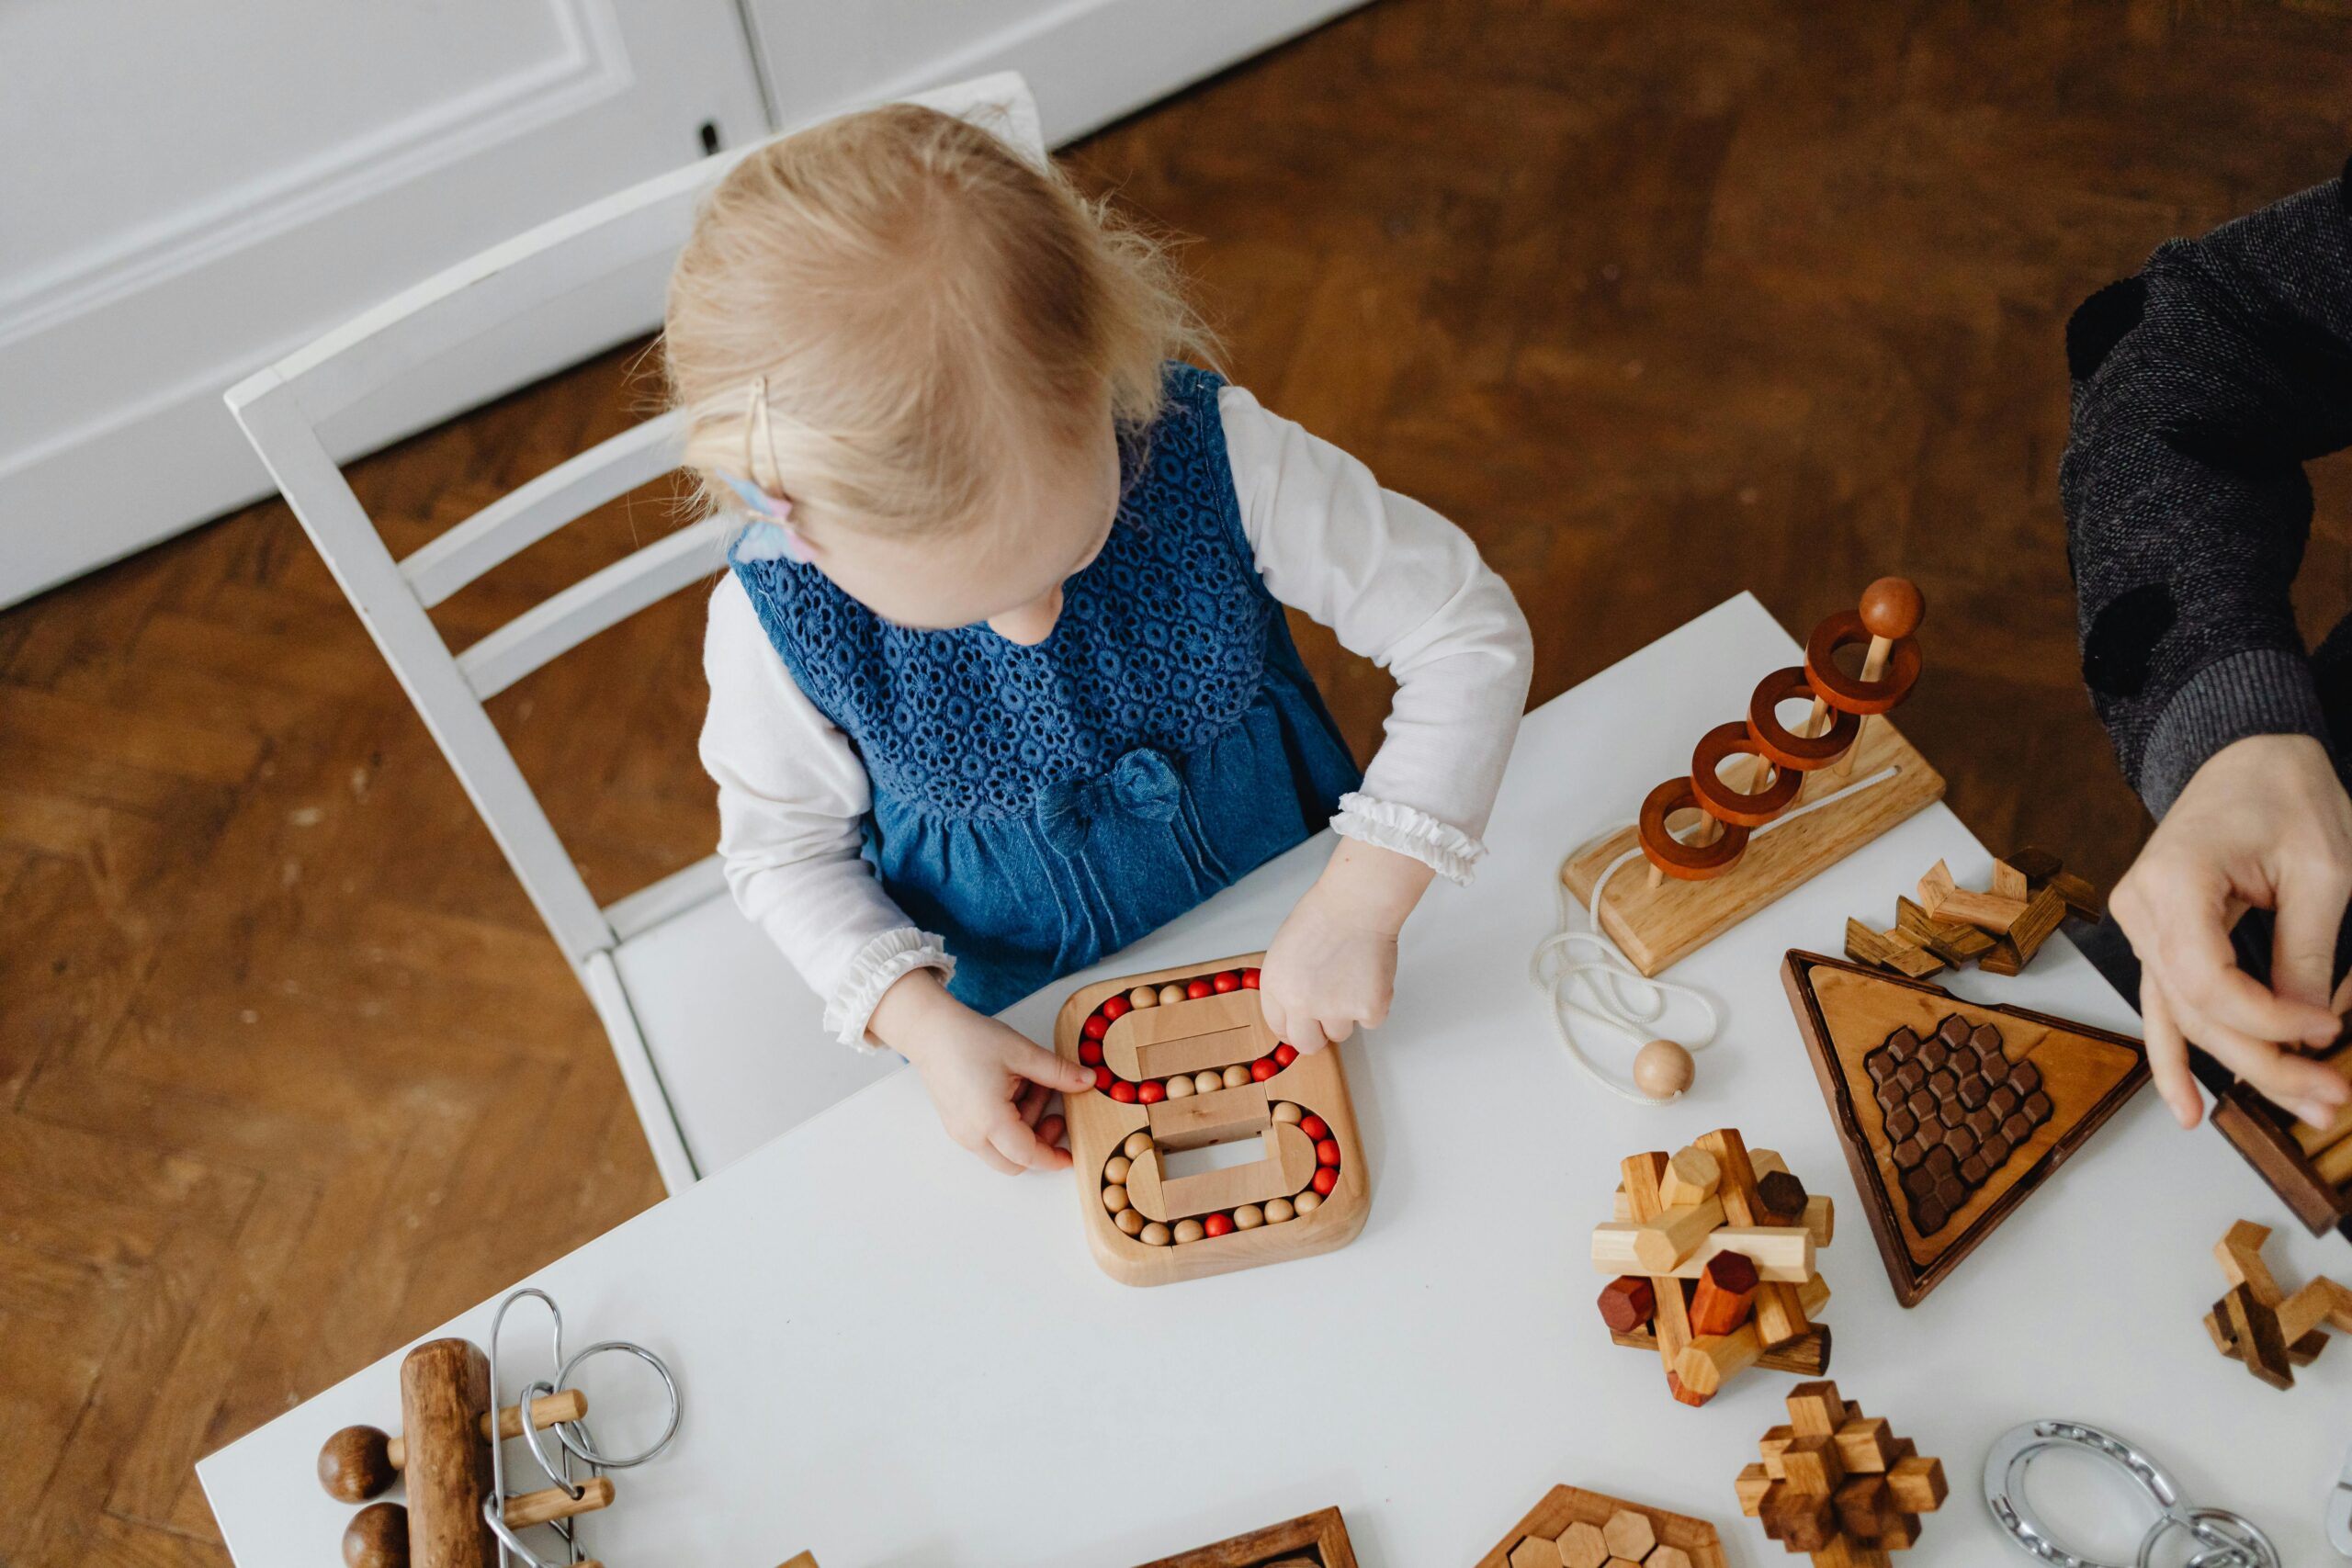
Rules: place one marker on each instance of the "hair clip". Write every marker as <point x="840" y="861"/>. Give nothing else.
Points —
<point x="774" y="535"/>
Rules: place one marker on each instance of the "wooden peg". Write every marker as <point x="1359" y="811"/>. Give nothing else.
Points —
<point x="1672" y="1325"/>
<point x="564" y="1404"/>
<point x="1659" y="1244"/>
<point x="1726" y="1290"/>
<point x="554" y="1503"/>
<point x="444" y="1392"/>
<point x="1691" y="1177"/>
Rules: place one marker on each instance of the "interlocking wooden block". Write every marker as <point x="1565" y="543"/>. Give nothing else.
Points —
<point x="1838" y="1485"/>
<point x="2255" y="1323"/>
<point x="1998" y="930"/>
<point x="1575" y="1529"/>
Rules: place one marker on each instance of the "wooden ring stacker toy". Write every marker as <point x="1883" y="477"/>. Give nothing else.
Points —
<point x="1183" y="1061"/>
<point x="1743" y="808"/>
<point x="1784" y="747"/>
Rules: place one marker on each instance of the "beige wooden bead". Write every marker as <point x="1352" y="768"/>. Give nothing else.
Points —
<point x="1307" y="1203"/>
<point x="1181" y="1088"/>
<point x="1662" y="1069"/>
<point x="1143" y="996"/>
<point x="1248" y="1217"/>
<point x="1171" y="993"/>
<point x="1115" y="1198"/>
<point x="1236" y="1075"/>
<point x="1290" y="1112"/>
<point x="1129" y="1220"/>
<point x="1207" y="1082"/>
<point x="1117" y="1168"/>
<point x="1278" y="1210"/>
<point x="1153" y="1234"/>
<point x="1189" y="1230"/>
<point x="1138" y="1143"/>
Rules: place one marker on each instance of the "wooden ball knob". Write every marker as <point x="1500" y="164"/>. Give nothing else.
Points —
<point x="1891" y="607"/>
<point x="377" y="1538"/>
<point x="356" y="1465"/>
<point x="1662" y="1069"/>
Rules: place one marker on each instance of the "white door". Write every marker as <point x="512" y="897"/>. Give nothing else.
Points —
<point x="186" y="192"/>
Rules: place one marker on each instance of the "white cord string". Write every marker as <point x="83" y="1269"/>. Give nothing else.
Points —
<point x="1615" y="993"/>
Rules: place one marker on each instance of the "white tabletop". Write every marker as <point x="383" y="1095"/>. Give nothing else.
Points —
<point x="896" y="1359"/>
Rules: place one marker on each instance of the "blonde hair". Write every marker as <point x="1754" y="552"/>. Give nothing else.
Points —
<point x="923" y="303"/>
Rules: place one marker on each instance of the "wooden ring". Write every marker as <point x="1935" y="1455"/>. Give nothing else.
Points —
<point x="1782" y="746"/>
<point x="1721" y="802"/>
<point x="1846" y="692"/>
<point x="1689" y="863"/>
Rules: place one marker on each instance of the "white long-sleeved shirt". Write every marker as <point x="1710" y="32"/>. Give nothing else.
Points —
<point x="1394" y="580"/>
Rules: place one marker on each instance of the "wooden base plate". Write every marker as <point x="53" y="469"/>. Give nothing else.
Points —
<point x="1565" y="1506"/>
<point x="1847" y="1013"/>
<point x="1211" y="1033"/>
<point x="1311" y="1541"/>
<point x="1655" y="926"/>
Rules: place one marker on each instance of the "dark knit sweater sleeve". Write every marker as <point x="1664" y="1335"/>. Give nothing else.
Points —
<point x="2201" y="388"/>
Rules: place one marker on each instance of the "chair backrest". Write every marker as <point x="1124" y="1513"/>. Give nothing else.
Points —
<point x="282" y="408"/>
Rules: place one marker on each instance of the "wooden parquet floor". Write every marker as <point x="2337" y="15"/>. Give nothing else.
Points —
<point x="1659" y="301"/>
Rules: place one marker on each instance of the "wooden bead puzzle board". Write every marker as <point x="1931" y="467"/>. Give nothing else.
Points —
<point x="1575" y="1529"/>
<point x="1308" y="1191"/>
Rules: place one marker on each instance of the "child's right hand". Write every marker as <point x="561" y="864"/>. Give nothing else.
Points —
<point x="989" y="1083"/>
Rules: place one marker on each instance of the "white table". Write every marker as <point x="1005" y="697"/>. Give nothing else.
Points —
<point x="898" y="1360"/>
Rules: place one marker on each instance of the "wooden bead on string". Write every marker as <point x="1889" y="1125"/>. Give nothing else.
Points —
<point x="1662" y="1069"/>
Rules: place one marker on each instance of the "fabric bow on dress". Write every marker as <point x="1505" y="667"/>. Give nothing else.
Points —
<point x="1140" y="784"/>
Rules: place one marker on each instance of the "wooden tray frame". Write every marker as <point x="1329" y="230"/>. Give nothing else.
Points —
<point x="1655" y="926"/>
<point x="1324" y="1534"/>
<point x="1565" y="1506"/>
<point x="1912" y="1279"/>
<point x="1099" y="1125"/>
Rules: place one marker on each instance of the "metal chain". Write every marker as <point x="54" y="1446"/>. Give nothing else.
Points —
<point x="2230" y="1540"/>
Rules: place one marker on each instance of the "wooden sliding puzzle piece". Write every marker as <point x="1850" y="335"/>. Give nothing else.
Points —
<point x="2255" y="1323"/>
<point x="1838" y="1486"/>
<point x="1575" y="1529"/>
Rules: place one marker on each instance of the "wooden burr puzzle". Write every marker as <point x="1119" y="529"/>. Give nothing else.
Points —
<point x="1311" y="1541"/>
<point x="2309" y="1168"/>
<point x="1716" y="867"/>
<point x="1998" y="930"/>
<point x="1575" y="1529"/>
<point x="1183" y="1062"/>
<point x="2255" y="1322"/>
<point x="1838" y="1486"/>
<point x="1951" y="1114"/>
<point x="1711" y="1258"/>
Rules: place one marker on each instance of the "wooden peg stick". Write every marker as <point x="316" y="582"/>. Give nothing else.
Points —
<point x="554" y="1503"/>
<point x="1891" y="608"/>
<point x="564" y="1404"/>
<point x="444" y="1392"/>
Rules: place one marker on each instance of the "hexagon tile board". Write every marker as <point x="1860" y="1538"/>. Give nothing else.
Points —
<point x="1575" y="1529"/>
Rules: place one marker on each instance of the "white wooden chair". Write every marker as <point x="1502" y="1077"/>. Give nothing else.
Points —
<point x="718" y="1040"/>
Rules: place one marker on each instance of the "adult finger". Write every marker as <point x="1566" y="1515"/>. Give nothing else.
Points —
<point x="2201" y="976"/>
<point x="2168" y="1054"/>
<point x="2311" y="1091"/>
<point x="2302" y="954"/>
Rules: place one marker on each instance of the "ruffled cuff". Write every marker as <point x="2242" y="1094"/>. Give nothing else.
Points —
<point x="1385" y="824"/>
<point x="880" y="964"/>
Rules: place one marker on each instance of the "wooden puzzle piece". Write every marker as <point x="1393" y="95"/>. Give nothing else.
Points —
<point x="1838" y="1486"/>
<point x="1312" y="1540"/>
<point x="1998" y="930"/>
<point x="2255" y="1323"/>
<point x="1575" y="1529"/>
<point x="1854" y="1018"/>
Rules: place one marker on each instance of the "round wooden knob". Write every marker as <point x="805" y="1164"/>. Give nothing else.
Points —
<point x="1662" y="1069"/>
<point x="1891" y="607"/>
<point x="356" y="1465"/>
<point x="377" y="1538"/>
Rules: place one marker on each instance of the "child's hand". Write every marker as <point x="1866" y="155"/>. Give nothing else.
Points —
<point x="1333" y="963"/>
<point x="989" y="1083"/>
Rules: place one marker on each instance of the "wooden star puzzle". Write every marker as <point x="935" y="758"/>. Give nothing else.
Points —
<point x="1311" y="1541"/>
<point x="1575" y="1529"/>
<point x="2255" y="1323"/>
<point x="1951" y="1114"/>
<point x="1840" y="1486"/>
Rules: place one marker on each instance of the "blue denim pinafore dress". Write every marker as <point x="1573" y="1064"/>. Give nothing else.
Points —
<point x="1042" y="807"/>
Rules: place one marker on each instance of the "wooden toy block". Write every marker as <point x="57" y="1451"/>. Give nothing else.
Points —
<point x="1690" y="1178"/>
<point x="2255" y="1323"/>
<point x="1311" y="1541"/>
<point x="1196" y="1070"/>
<point x="1951" y="1114"/>
<point x="2008" y="882"/>
<point x="1754" y="1286"/>
<point x="1836" y="1485"/>
<point x="1705" y="880"/>
<point x="1575" y="1529"/>
<point x="1955" y="941"/>
<point x="2033" y="928"/>
<point x="1945" y="899"/>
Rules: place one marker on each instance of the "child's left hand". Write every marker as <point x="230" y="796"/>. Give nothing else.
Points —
<point x="1333" y="963"/>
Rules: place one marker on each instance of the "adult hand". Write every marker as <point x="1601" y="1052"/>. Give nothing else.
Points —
<point x="989" y="1083"/>
<point x="2264" y="823"/>
<point x="1332" y="964"/>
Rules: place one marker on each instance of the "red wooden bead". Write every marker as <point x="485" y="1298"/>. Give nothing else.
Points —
<point x="1263" y="1069"/>
<point x="1328" y="1152"/>
<point x="1314" y="1126"/>
<point x="1327" y="1179"/>
<point x="1102" y="1078"/>
<point x="1096" y="1026"/>
<point x="1249" y="979"/>
<point x="1217" y="1224"/>
<point x="1151" y="1092"/>
<point x="1229" y="981"/>
<point x="1285" y="1054"/>
<point x="1115" y="1007"/>
<point x="1195" y="990"/>
<point x="1122" y="1091"/>
<point x="1091" y="1053"/>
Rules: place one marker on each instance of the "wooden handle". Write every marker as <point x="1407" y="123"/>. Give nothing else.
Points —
<point x="555" y="1502"/>
<point x="564" y="1404"/>
<point x="444" y="1393"/>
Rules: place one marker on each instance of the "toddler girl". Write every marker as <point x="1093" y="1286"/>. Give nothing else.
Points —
<point x="999" y="678"/>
